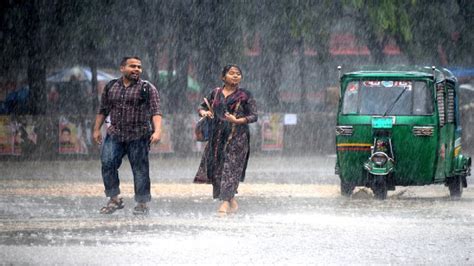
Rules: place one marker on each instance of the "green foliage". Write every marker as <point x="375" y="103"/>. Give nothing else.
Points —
<point x="80" y="31"/>
<point x="423" y="29"/>
<point x="385" y="17"/>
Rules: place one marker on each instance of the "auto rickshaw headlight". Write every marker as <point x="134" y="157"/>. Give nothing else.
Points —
<point x="379" y="158"/>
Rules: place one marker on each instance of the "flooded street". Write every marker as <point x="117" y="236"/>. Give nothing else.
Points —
<point x="290" y="212"/>
<point x="387" y="85"/>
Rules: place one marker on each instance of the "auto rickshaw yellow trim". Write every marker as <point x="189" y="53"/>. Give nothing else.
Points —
<point x="354" y="144"/>
<point x="457" y="150"/>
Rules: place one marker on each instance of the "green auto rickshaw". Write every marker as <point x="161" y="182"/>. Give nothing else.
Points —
<point x="399" y="127"/>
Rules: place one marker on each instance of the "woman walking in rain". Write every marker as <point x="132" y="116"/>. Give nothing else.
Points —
<point x="225" y="157"/>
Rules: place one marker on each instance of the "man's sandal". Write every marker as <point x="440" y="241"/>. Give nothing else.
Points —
<point x="141" y="209"/>
<point x="112" y="206"/>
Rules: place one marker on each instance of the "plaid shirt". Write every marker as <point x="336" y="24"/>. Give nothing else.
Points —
<point x="130" y="115"/>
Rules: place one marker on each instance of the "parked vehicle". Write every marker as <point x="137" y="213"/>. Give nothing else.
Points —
<point x="400" y="127"/>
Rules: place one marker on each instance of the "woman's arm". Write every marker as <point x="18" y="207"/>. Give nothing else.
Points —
<point x="252" y="115"/>
<point x="250" y="110"/>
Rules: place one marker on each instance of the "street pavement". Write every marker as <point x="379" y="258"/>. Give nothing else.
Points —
<point x="290" y="213"/>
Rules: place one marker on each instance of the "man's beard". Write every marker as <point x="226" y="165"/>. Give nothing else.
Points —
<point x="133" y="77"/>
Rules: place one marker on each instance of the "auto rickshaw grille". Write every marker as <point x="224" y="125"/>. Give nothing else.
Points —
<point x="440" y="100"/>
<point x="344" y="130"/>
<point x="423" y="131"/>
<point x="450" y="107"/>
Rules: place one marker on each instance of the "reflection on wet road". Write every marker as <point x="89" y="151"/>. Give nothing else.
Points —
<point x="54" y="219"/>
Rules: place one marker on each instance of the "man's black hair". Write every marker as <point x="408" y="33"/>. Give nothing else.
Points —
<point x="124" y="59"/>
<point x="66" y="129"/>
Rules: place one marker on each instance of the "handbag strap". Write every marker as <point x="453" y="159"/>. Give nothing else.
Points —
<point x="208" y="105"/>
<point x="237" y="108"/>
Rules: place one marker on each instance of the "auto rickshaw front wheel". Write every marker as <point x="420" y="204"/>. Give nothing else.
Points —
<point x="455" y="185"/>
<point x="379" y="186"/>
<point x="346" y="188"/>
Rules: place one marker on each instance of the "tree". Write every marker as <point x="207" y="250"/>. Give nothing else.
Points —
<point x="463" y="36"/>
<point x="269" y="19"/>
<point x="427" y="32"/>
<point x="217" y="38"/>
<point x="310" y="24"/>
<point x="378" y="21"/>
<point x="431" y="36"/>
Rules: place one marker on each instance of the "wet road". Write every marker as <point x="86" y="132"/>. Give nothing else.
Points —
<point x="290" y="212"/>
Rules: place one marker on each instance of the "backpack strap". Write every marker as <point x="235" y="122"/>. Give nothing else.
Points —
<point x="109" y="85"/>
<point x="145" y="92"/>
<point x="145" y="98"/>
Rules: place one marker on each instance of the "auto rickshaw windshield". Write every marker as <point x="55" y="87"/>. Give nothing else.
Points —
<point x="387" y="97"/>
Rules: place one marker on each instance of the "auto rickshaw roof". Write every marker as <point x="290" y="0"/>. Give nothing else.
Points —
<point x="439" y="74"/>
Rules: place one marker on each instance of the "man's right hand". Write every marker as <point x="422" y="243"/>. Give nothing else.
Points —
<point x="99" y="120"/>
<point x="97" y="136"/>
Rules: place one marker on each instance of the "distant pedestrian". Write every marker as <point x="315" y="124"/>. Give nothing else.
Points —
<point x="131" y="103"/>
<point x="226" y="154"/>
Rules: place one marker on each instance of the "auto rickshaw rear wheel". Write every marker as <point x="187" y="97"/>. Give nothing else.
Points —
<point x="379" y="186"/>
<point x="455" y="185"/>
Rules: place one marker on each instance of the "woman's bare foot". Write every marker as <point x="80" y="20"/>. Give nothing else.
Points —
<point x="233" y="205"/>
<point x="224" y="208"/>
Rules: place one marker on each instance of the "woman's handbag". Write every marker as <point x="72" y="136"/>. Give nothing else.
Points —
<point x="204" y="126"/>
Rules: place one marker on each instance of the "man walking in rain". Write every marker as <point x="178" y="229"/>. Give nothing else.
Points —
<point x="132" y="104"/>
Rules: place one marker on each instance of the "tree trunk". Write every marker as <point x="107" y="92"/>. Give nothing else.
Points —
<point x="376" y="47"/>
<point x="303" y="105"/>
<point x="210" y="49"/>
<point x="271" y="75"/>
<point x="36" y="69"/>
<point x="95" y="100"/>
<point x="180" y="104"/>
